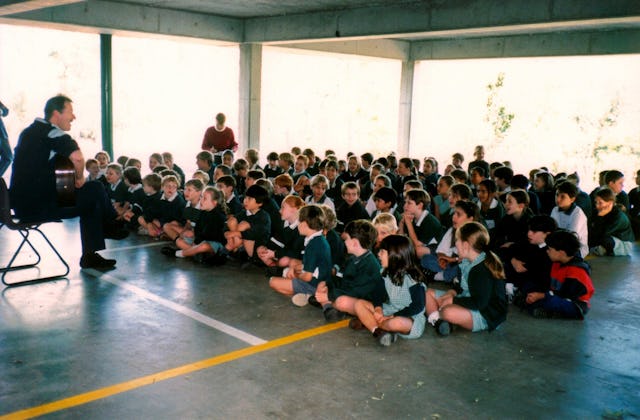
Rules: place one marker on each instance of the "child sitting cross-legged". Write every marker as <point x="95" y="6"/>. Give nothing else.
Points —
<point x="571" y="285"/>
<point x="246" y="229"/>
<point x="529" y="268"/>
<point x="419" y="224"/>
<point x="190" y="213"/>
<point x="208" y="239"/>
<point x="401" y="311"/>
<point x="360" y="277"/>
<point x="479" y="303"/>
<point x="151" y="185"/>
<point x="443" y="264"/>
<point x="167" y="209"/>
<point x="610" y="231"/>
<point x="227" y="185"/>
<point x="301" y="279"/>
<point x="279" y="251"/>
<point x="385" y="200"/>
<point x="569" y="216"/>
<point x="136" y="196"/>
<point x="117" y="190"/>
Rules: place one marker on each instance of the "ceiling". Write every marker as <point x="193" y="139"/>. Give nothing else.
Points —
<point x="263" y="8"/>
<point x="388" y="28"/>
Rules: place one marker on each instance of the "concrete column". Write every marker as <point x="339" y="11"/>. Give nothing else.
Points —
<point x="106" y="93"/>
<point x="406" y="100"/>
<point x="250" y="96"/>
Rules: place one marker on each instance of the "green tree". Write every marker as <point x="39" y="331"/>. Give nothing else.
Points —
<point x="497" y="115"/>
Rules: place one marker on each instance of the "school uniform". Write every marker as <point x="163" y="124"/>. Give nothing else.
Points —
<point x="493" y="214"/>
<point x="260" y="229"/>
<point x="118" y="192"/>
<point x="612" y="231"/>
<point x="324" y="201"/>
<point x="234" y="205"/>
<point x="272" y="171"/>
<point x="346" y="213"/>
<point x="273" y="210"/>
<point x="210" y="228"/>
<point x="337" y="248"/>
<point x="428" y="229"/>
<point x="334" y="191"/>
<point x="170" y="209"/>
<point x="289" y="244"/>
<point x="360" y="278"/>
<point x="316" y="258"/>
<point x="406" y="300"/>
<point x="482" y="293"/>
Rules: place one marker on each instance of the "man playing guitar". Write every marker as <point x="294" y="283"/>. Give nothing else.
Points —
<point x="33" y="183"/>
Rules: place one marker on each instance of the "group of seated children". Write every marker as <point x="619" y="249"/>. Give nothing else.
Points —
<point x="485" y="234"/>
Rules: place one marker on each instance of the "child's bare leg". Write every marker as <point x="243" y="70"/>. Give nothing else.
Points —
<point x="201" y="248"/>
<point x="346" y="304"/>
<point x="284" y="262"/>
<point x="172" y="230"/>
<point x="182" y="244"/>
<point x="364" y="312"/>
<point x="233" y="243"/>
<point x="281" y="285"/>
<point x="322" y="293"/>
<point x="154" y="228"/>
<point x="399" y="324"/>
<point x="248" y="246"/>
<point x="432" y="303"/>
<point x="457" y="315"/>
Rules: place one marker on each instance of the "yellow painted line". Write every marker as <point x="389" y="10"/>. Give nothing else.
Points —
<point x="168" y="374"/>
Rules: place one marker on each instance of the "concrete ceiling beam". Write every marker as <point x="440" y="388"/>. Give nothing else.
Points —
<point x="419" y="19"/>
<point x="530" y="45"/>
<point x="9" y="7"/>
<point x="112" y="17"/>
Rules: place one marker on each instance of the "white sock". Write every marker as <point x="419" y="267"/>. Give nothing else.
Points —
<point x="439" y="276"/>
<point x="285" y="271"/>
<point x="509" y="289"/>
<point x="433" y="317"/>
<point x="179" y="254"/>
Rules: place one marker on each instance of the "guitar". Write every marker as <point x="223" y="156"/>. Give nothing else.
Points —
<point x="65" y="174"/>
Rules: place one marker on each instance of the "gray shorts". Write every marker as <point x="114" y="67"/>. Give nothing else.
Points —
<point x="300" y="286"/>
<point x="216" y="246"/>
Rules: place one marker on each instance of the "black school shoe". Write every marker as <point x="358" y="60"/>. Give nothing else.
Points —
<point x="333" y="315"/>
<point x="95" y="260"/>
<point x="169" y="251"/>
<point x="443" y="328"/>
<point x="387" y="338"/>
<point x="314" y="302"/>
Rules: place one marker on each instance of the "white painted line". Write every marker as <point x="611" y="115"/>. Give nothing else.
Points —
<point x="220" y="326"/>
<point x="126" y="248"/>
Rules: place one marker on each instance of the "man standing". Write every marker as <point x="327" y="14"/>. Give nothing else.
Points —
<point x="33" y="182"/>
<point x="219" y="138"/>
<point x="5" y="149"/>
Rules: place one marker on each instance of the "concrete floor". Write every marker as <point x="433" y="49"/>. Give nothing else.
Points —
<point x="112" y="341"/>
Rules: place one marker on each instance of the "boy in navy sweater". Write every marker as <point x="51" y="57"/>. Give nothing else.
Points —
<point x="424" y="230"/>
<point x="360" y="278"/>
<point x="250" y="228"/>
<point x="351" y="208"/>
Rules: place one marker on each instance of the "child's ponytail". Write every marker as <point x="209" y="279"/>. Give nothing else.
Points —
<point x="478" y="237"/>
